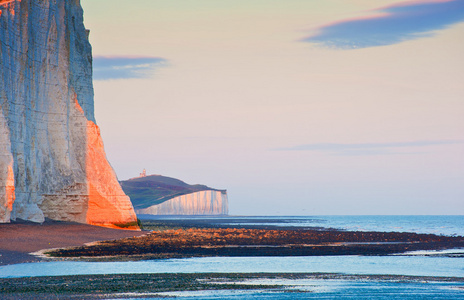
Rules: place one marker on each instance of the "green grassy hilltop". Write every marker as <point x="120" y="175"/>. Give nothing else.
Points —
<point x="150" y="190"/>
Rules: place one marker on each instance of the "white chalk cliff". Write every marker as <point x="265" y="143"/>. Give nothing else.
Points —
<point x="52" y="160"/>
<point x="208" y="202"/>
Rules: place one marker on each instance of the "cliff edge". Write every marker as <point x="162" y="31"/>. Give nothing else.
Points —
<point x="52" y="160"/>
<point x="161" y="195"/>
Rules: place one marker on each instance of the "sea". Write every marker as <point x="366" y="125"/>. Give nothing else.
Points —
<point x="446" y="263"/>
<point x="440" y="225"/>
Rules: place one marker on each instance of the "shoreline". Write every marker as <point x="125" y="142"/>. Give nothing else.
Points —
<point x="190" y="238"/>
<point x="184" y="239"/>
<point x="20" y="239"/>
<point x="24" y="242"/>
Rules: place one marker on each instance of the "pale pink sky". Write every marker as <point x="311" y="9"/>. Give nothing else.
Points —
<point x="242" y="102"/>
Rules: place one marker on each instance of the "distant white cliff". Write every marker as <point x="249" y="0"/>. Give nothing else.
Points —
<point x="52" y="160"/>
<point x="208" y="202"/>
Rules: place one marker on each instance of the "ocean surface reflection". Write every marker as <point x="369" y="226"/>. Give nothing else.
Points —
<point x="440" y="225"/>
<point x="415" y="265"/>
<point x="335" y="289"/>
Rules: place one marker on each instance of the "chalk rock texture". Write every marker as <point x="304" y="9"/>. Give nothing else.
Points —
<point x="161" y="195"/>
<point x="52" y="160"/>
<point x="199" y="203"/>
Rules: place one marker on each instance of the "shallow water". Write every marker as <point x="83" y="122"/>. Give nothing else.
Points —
<point x="394" y="265"/>
<point x="448" y="263"/>
<point x="336" y="289"/>
<point x="440" y="225"/>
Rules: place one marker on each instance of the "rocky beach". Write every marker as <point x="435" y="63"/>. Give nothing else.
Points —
<point x="173" y="285"/>
<point x="193" y="238"/>
<point x="198" y="242"/>
<point x="180" y="238"/>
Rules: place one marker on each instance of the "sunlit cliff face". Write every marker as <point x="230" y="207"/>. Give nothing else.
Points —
<point x="52" y="160"/>
<point x="107" y="202"/>
<point x="10" y="7"/>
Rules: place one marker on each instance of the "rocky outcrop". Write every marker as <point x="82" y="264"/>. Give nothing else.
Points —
<point x="52" y="160"/>
<point x="200" y="203"/>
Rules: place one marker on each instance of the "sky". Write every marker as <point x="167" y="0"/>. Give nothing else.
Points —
<point x="296" y="107"/>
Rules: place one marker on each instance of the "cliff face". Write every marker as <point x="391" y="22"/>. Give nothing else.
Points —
<point x="161" y="195"/>
<point x="52" y="161"/>
<point x="200" y="203"/>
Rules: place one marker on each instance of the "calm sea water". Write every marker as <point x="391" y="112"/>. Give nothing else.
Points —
<point x="441" y="225"/>
<point x="336" y="289"/>
<point x="417" y="264"/>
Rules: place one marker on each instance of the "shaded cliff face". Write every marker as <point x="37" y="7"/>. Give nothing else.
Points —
<point x="198" y="203"/>
<point x="52" y="161"/>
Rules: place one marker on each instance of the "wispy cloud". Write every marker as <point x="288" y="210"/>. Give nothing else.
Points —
<point x="391" y="25"/>
<point x="119" y="67"/>
<point x="368" y="148"/>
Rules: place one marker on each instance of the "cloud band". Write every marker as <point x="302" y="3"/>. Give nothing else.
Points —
<point x="391" y="25"/>
<point x="106" y="68"/>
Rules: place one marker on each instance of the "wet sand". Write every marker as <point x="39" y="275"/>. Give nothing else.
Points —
<point x="18" y="239"/>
